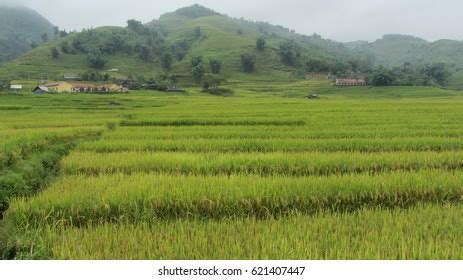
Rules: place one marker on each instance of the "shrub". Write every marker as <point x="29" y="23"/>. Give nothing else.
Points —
<point x="96" y="60"/>
<point x="221" y="91"/>
<point x="317" y="65"/>
<point x="216" y="66"/>
<point x="198" y="72"/>
<point x="211" y="81"/>
<point x="248" y="62"/>
<point x="261" y="44"/>
<point x="195" y="61"/>
<point x="54" y="52"/>
<point x="382" y="77"/>
<point x="65" y="48"/>
<point x="290" y="53"/>
<point x="166" y="61"/>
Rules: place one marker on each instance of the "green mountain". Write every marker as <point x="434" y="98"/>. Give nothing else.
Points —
<point x="167" y="45"/>
<point x="19" y="28"/>
<point x="164" y="49"/>
<point x="395" y="50"/>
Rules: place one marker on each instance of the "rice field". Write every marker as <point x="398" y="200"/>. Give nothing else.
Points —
<point x="254" y="176"/>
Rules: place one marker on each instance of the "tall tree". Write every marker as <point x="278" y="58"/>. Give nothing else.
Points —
<point x="195" y="61"/>
<point x="216" y="66"/>
<point x="290" y="53"/>
<point x="56" y="32"/>
<point x="382" y="77"/>
<point x="166" y="61"/>
<point x="44" y="37"/>
<point x="437" y="72"/>
<point x="136" y="26"/>
<point x="261" y="44"/>
<point x="97" y="60"/>
<point x="54" y="52"/>
<point x="197" y="32"/>
<point x="65" y="48"/>
<point x="198" y="72"/>
<point x="4" y="85"/>
<point x="212" y="81"/>
<point x="248" y="62"/>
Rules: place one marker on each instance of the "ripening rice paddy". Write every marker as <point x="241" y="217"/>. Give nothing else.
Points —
<point x="254" y="176"/>
<point x="367" y="234"/>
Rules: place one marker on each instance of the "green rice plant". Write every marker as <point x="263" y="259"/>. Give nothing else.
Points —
<point x="274" y="145"/>
<point x="22" y="144"/>
<point x="424" y="232"/>
<point x="35" y="164"/>
<point x="28" y="176"/>
<point x="264" y="174"/>
<point x="289" y="164"/>
<point x="210" y="122"/>
<point x="276" y="132"/>
<point x="81" y="200"/>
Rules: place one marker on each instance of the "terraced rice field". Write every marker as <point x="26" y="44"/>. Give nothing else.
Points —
<point x="247" y="177"/>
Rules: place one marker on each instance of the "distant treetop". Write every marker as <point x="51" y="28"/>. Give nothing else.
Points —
<point x="196" y="11"/>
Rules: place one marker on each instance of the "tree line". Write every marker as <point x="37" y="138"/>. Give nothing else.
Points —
<point x="150" y="45"/>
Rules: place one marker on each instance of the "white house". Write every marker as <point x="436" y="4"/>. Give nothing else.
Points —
<point x="16" y="87"/>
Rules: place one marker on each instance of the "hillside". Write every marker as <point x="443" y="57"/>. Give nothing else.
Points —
<point x="395" y="50"/>
<point x="141" y="50"/>
<point x="163" y="50"/>
<point x="19" y="28"/>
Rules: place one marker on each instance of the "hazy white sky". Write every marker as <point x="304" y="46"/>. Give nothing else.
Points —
<point x="342" y="20"/>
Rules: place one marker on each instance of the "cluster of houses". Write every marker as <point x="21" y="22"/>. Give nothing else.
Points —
<point x="71" y="85"/>
<point x="341" y="82"/>
<point x="350" y="82"/>
<point x="77" y="87"/>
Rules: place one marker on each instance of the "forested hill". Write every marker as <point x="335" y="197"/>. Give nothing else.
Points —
<point x="21" y="27"/>
<point x="395" y="50"/>
<point x="168" y="45"/>
<point x="193" y="41"/>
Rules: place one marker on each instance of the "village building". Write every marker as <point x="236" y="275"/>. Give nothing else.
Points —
<point x="175" y="89"/>
<point x="58" y="87"/>
<point x="69" y="87"/>
<point x="350" y="82"/>
<point x="16" y="88"/>
<point x="40" y="90"/>
<point x="71" y="77"/>
<point x="95" y="88"/>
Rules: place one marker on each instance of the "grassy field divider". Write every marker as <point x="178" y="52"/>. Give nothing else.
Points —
<point x="22" y="146"/>
<point x="29" y="175"/>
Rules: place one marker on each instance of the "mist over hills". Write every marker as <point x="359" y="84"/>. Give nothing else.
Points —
<point x="395" y="50"/>
<point x="19" y="28"/>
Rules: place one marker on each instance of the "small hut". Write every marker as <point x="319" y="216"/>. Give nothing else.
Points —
<point x="16" y="88"/>
<point x="350" y="82"/>
<point x="41" y="90"/>
<point x="175" y="89"/>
